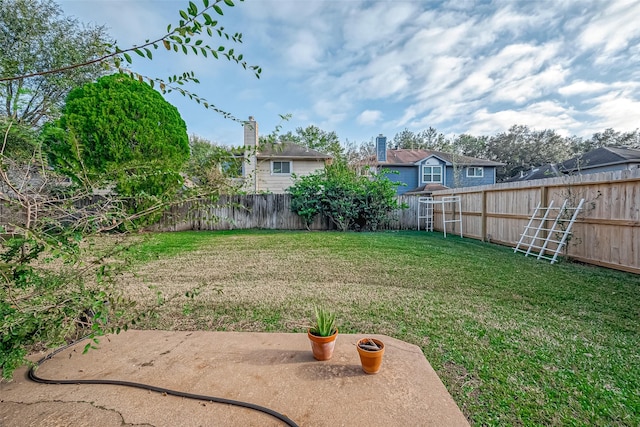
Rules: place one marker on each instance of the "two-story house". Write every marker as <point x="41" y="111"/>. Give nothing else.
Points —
<point x="425" y="171"/>
<point x="270" y="167"/>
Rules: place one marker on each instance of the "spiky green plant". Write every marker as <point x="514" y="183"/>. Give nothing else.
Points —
<point x="325" y="325"/>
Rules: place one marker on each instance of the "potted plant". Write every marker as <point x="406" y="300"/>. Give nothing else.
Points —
<point x="370" y="351"/>
<point x="323" y="334"/>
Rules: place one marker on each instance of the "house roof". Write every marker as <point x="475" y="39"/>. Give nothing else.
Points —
<point x="289" y="150"/>
<point x="426" y="189"/>
<point x="540" y="172"/>
<point x="406" y="157"/>
<point x="604" y="156"/>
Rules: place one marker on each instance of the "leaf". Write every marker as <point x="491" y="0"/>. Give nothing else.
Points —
<point x="149" y="55"/>
<point x="228" y="3"/>
<point x="207" y="18"/>
<point x="206" y="3"/>
<point x="139" y="52"/>
<point x="184" y="14"/>
<point x="127" y="57"/>
<point x="193" y="9"/>
<point x="167" y="45"/>
<point x="184" y="49"/>
<point x="218" y="9"/>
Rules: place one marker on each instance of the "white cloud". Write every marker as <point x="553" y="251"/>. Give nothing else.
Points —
<point x="542" y="115"/>
<point x="369" y="117"/>
<point x="580" y="87"/>
<point x="617" y="110"/>
<point x="305" y="51"/>
<point x="612" y="28"/>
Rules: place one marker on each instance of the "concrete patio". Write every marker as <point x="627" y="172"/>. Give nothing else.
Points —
<point x="274" y="370"/>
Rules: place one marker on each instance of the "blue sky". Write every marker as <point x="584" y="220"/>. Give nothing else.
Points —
<point x="361" y="68"/>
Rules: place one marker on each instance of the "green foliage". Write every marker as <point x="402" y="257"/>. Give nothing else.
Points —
<point x="36" y="35"/>
<point x="214" y="167"/>
<point x="351" y="202"/>
<point x="305" y="197"/>
<point x="316" y="139"/>
<point x="116" y="135"/>
<point x="21" y="140"/>
<point x="45" y="297"/>
<point x="119" y="133"/>
<point x="325" y="323"/>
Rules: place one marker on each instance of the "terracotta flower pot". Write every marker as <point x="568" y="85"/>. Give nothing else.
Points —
<point x="370" y="359"/>
<point x="322" y="347"/>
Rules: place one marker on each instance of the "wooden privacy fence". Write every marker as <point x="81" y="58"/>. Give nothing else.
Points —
<point x="606" y="233"/>
<point x="267" y="211"/>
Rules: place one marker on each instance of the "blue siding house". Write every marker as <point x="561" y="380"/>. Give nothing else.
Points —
<point x="425" y="171"/>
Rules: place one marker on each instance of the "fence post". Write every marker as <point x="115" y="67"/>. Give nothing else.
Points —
<point x="483" y="217"/>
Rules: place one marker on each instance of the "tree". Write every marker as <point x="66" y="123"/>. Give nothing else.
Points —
<point x="522" y="149"/>
<point x="213" y="166"/>
<point x="317" y="139"/>
<point x="45" y="303"/>
<point x="119" y="130"/>
<point x="428" y="139"/>
<point x="469" y="145"/>
<point x="189" y="36"/>
<point x="34" y="35"/>
<point x="314" y="138"/>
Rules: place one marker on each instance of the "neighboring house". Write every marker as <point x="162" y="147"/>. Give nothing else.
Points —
<point x="270" y="168"/>
<point x="425" y="171"/>
<point x="604" y="159"/>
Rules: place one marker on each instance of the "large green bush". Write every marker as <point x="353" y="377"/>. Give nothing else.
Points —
<point x="349" y="201"/>
<point x="122" y="131"/>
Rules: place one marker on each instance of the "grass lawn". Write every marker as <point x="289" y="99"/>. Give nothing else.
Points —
<point x="516" y="341"/>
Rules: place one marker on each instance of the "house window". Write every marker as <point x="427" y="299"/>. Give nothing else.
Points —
<point x="475" y="172"/>
<point x="431" y="173"/>
<point x="278" y="167"/>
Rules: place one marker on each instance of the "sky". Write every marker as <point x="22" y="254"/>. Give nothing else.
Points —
<point x="363" y="68"/>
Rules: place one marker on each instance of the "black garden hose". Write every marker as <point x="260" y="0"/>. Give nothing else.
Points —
<point x="34" y="377"/>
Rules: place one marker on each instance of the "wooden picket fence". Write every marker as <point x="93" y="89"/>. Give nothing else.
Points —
<point x="262" y="211"/>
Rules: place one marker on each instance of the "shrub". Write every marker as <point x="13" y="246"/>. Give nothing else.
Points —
<point x="349" y="201"/>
